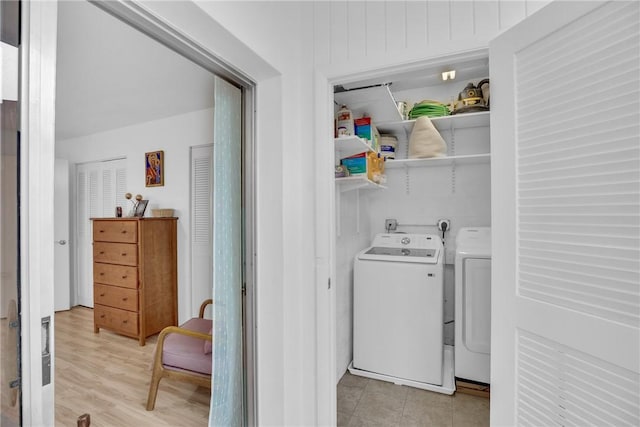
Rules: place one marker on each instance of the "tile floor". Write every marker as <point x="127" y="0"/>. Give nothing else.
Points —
<point x="367" y="402"/>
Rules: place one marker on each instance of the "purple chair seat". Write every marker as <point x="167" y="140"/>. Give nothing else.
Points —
<point x="183" y="353"/>
<point x="187" y="353"/>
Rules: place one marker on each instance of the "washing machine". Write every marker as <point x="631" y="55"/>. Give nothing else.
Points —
<point x="473" y="304"/>
<point x="398" y="309"/>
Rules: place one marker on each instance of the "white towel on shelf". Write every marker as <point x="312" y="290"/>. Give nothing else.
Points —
<point x="425" y="140"/>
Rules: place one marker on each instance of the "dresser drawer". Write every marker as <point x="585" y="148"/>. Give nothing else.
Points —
<point x="115" y="231"/>
<point x="119" y="275"/>
<point x="113" y="296"/>
<point x="115" y="253"/>
<point x="117" y="320"/>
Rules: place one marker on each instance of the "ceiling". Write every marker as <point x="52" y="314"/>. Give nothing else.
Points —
<point x="111" y="76"/>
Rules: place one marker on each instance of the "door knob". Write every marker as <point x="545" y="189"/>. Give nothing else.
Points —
<point x="61" y="242"/>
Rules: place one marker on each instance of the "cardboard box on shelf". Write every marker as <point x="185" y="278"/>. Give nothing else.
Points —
<point x="356" y="164"/>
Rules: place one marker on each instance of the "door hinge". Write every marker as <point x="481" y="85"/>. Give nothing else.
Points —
<point x="15" y="383"/>
<point x="14" y="324"/>
<point x="329" y="283"/>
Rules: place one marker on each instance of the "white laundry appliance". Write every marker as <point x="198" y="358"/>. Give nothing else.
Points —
<point x="398" y="313"/>
<point x="473" y="304"/>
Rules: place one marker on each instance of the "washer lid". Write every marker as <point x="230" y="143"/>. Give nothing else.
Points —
<point x="401" y="247"/>
<point x="377" y="253"/>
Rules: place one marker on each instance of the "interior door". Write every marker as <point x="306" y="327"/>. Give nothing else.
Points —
<point x="201" y="225"/>
<point x="62" y="280"/>
<point x="100" y="187"/>
<point x="565" y="102"/>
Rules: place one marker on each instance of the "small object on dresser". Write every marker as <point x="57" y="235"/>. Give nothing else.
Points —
<point x="118" y="212"/>
<point x="162" y="213"/>
<point x="141" y="206"/>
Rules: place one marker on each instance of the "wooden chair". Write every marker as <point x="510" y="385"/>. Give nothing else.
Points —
<point x="183" y="353"/>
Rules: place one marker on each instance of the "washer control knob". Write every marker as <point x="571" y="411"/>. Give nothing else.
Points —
<point x="405" y="241"/>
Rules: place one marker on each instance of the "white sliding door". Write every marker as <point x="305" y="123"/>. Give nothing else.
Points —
<point x="565" y="102"/>
<point x="100" y="187"/>
<point x="201" y="225"/>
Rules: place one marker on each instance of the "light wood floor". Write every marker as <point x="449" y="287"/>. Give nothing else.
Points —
<point x="108" y="375"/>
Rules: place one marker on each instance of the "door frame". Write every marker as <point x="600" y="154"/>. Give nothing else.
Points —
<point x="37" y="92"/>
<point x="37" y="157"/>
<point x="325" y="231"/>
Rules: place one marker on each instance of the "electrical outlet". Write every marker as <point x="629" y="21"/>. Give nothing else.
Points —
<point x="390" y="224"/>
<point x="444" y="225"/>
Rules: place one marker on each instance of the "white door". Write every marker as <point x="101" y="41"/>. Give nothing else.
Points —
<point x="61" y="282"/>
<point x="565" y="206"/>
<point x="100" y="187"/>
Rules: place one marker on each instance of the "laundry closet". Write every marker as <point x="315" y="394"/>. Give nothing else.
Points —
<point x="414" y="195"/>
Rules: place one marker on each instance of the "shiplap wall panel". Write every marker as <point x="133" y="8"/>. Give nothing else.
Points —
<point x="396" y="26"/>
<point x="438" y="22"/>
<point x="462" y="20"/>
<point x="338" y="33"/>
<point x="486" y="17"/>
<point x="346" y="31"/>
<point x="375" y="24"/>
<point x="392" y="26"/>
<point x="417" y="35"/>
<point x="322" y="36"/>
<point x="356" y="29"/>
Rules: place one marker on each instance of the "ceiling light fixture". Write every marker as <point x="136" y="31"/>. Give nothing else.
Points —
<point x="449" y="75"/>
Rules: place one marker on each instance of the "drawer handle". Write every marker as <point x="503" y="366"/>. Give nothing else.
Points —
<point x="102" y="316"/>
<point x="124" y="254"/>
<point x="101" y="252"/>
<point x="124" y="231"/>
<point x="102" y="294"/>
<point x="101" y="231"/>
<point x="102" y="274"/>
<point x="124" y="299"/>
<point x="124" y="277"/>
<point x="124" y="321"/>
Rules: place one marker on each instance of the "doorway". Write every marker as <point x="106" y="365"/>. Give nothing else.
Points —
<point x="75" y="146"/>
<point x="416" y="195"/>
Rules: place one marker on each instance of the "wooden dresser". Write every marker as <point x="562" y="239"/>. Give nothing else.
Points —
<point x="135" y="275"/>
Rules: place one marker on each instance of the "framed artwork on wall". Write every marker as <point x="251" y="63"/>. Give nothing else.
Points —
<point x="154" y="168"/>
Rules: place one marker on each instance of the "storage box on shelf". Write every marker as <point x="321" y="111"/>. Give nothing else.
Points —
<point x="347" y="147"/>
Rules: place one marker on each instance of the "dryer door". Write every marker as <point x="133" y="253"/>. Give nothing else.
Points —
<point x="477" y="305"/>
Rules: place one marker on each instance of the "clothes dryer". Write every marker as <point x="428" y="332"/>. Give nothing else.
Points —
<point x="473" y="304"/>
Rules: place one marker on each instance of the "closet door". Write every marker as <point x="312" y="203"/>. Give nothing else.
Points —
<point x="565" y="88"/>
<point x="100" y="187"/>
<point x="201" y="225"/>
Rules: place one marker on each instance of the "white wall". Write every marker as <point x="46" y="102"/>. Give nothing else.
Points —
<point x="353" y="236"/>
<point x="174" y="135"/>
<point x="279" y="33"/>
<point x="341" y="38"/>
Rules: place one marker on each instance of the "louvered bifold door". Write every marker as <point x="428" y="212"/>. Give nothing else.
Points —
<point x="201" y="225"/>
<point x="568" y="190"/>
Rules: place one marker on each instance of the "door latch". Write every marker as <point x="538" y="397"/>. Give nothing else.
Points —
<point x="45" y="338"/>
